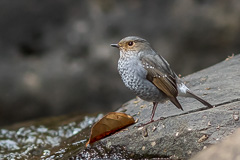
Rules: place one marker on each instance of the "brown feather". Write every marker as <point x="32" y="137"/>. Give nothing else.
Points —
<point x="165" y="86"/>
<point x="176" y="103"/>
<point x="163" y="79"/>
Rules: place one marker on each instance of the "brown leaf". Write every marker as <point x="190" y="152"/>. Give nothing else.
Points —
<point x="109" y="124"/>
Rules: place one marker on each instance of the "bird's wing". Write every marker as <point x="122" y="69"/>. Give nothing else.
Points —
<point x="161" y="75"/>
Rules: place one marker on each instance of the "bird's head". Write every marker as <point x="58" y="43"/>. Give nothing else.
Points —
<point x="132" y="45"/>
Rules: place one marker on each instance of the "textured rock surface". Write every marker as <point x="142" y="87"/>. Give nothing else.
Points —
<point x="228" y="149"/>
<point x="181" y="134"/>
<point x="184" y="133"/>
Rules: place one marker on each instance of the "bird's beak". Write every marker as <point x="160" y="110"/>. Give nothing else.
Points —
<point x="115" y="45"/>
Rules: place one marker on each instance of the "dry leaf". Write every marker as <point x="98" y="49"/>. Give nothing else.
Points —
<point x="109" y="124"/>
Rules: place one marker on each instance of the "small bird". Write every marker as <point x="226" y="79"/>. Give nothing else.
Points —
<point x="149" y="75"/>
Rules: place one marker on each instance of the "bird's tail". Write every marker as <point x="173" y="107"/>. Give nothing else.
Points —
<point x="189" y="94"/>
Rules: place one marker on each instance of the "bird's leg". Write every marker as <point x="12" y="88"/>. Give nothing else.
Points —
<point x="153" y="111"/>
<point x="152" y="115"/>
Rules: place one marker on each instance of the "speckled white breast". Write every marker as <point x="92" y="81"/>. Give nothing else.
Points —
<point x="134" y="77"/>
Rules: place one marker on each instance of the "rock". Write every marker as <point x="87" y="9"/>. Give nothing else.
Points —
<point x="227" y="149"/>
<point x="52" y="137"/>
<point x="182" y="134"/>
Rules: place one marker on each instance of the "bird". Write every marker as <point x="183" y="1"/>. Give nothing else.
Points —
<point x="148" y="74"/>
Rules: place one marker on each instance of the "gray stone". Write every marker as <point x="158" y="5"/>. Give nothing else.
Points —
<point x="228" y="149"/>
<point x="182" y="134"/>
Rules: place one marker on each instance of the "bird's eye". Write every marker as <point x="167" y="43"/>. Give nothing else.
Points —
<point x="130" y="43"/>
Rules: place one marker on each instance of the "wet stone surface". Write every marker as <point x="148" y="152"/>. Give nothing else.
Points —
<point x="101" y="151"/>
<point x="46" y="139"/>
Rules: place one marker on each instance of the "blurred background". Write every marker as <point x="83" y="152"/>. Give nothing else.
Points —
<point x="55" y="56"/>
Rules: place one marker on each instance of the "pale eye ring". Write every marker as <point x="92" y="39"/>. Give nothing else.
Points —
<point x="130" y="43"/>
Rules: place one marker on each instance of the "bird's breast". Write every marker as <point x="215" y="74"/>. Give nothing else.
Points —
<point x="131" y="72"/>
<point x="134" y="77"/>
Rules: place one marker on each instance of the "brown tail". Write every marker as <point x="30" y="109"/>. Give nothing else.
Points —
<point x="199" y="99"/>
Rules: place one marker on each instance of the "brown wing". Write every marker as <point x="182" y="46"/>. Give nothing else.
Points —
<point x="162" y="77"/>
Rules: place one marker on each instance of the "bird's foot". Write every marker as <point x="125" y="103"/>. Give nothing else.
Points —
<point x="144" y="124"/>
